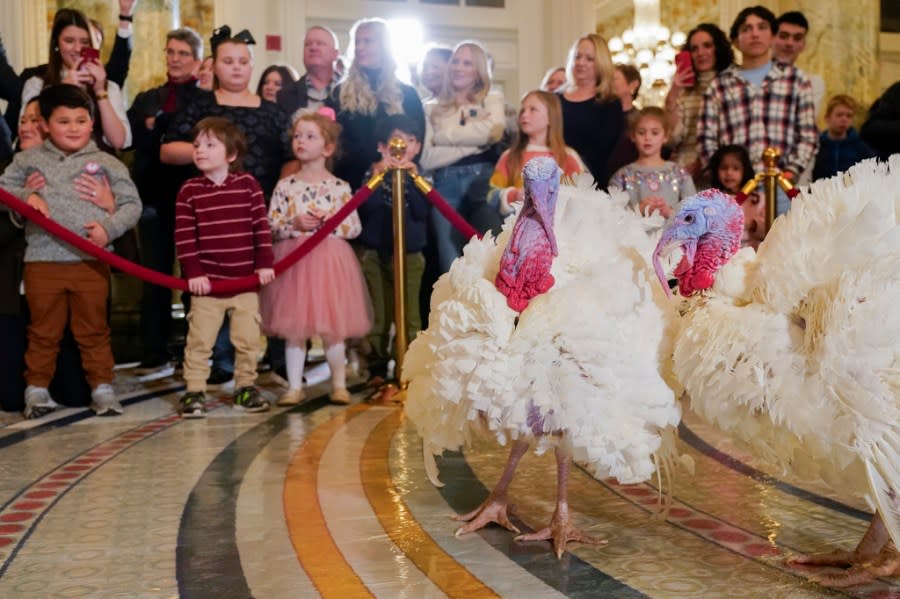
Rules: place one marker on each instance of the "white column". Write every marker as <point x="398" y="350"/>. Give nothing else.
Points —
<point x="563" y="23"/>
<point x="292" y="28"/>
<point x="25" y="32"/>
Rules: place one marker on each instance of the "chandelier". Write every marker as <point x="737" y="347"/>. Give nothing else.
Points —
<point x="650" y="47"/>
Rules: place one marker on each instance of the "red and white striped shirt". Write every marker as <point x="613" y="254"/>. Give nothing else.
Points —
<point x="222" y="231"/>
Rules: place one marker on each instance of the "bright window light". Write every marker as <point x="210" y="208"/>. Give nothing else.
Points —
<point x="407" y="44"/>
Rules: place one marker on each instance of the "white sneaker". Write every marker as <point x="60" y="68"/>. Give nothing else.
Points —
<point x="38" y="402"/>
<point x="104" y="401"/>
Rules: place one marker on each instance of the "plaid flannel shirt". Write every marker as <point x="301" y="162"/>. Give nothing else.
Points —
<point x="778" y="114"/>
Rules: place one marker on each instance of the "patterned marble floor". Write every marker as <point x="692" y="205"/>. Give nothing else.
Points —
<point x="322" y="500"/>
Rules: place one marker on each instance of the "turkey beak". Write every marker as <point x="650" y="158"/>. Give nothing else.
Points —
<point x="669" y="241"/>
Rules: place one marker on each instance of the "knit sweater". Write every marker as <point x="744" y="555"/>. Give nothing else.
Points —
<point x="504" y="186"/>
<point x="452" y="134"/>
<point x="60" y="171"/>
<point x="221" y="231"/>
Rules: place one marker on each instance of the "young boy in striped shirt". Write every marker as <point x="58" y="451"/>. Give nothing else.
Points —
<point x="222" y="232"/>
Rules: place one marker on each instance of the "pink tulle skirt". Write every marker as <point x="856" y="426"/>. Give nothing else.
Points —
<point x="322" y="295"/>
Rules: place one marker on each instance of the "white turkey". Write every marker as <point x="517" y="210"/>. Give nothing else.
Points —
<point x="793" y="350"/>
<point x="552" y="335"/>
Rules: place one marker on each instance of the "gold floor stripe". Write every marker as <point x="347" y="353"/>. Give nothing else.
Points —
<point x="316" y="550"/>
<point x="396" y="519"/>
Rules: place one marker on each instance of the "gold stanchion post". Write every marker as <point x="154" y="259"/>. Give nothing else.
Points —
<point x="398" y="199"/>
<point x="771" y="178"/>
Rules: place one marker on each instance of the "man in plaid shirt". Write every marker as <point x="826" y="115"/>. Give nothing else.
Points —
<point x="761" y="103"/>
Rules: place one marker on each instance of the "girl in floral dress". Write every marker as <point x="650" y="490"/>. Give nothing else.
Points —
<point x="324" y="294"/>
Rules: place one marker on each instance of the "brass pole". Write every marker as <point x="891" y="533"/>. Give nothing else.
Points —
<point x="398" y="151"/>
<point x="770" y="180"/>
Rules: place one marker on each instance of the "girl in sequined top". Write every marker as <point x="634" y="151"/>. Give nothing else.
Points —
<point x="652" y="184"/>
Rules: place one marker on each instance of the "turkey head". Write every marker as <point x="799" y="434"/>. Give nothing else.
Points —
<point x="525" y="264"/>
<point x="708" y="228"/>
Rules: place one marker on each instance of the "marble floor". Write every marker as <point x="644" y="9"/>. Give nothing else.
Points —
<point x="333" y="501"/>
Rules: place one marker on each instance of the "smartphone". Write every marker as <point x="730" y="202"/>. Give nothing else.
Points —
<point x="90" y="54"/>
<point x="683" y="65"/>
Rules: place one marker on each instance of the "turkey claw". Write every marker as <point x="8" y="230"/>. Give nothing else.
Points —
<point x="491" y="511"/>
<point x="560" y="535"/>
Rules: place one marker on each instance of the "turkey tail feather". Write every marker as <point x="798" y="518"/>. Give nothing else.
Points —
<point x="431" y="468"/>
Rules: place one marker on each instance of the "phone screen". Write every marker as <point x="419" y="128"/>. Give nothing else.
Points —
<point x="90" y="54"/>
<point x="684" y="65"/>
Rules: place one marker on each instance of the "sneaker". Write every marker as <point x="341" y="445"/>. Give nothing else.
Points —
<point x="104" y="402"/>
<point x="291" y="397"/>
<point x="38" y="402"/>
<point x="340" y="396"/>
<point x="192" y="405"/>
<point x="219" y="377"/>
<point x="248" y="399"/>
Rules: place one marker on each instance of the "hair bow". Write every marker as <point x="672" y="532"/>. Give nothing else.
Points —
<point x="327" y="112"/>
<point x="223" y="34"/>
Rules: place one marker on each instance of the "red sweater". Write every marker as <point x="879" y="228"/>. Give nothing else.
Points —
<point x="222" y="231"/>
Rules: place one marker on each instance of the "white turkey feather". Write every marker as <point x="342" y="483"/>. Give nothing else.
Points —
<point x="582" y="366"/>
<point x="795" y="350"/>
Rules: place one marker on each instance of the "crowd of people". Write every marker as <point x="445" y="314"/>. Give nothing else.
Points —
<point x="227" y="180"/>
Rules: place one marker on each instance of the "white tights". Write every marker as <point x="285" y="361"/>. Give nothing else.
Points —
<point x="295" y="357"/>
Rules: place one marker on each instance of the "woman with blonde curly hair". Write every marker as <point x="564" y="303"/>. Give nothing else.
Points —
<point x="592" y="115"/>
<point x="369" y="92"/>
<point x="462" y="126"/>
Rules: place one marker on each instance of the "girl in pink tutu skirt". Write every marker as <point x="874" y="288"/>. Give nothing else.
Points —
<point x="324" y="294"/>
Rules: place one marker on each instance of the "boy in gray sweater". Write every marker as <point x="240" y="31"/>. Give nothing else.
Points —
<point x="61" y="283"/>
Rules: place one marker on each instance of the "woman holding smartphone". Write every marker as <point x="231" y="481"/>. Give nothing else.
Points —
<point x="710" y="53"/>
<point x="74" y="60"/>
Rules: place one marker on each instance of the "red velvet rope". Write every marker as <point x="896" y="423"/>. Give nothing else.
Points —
<point x="219" y="287"/>
<point x="451" y="215"/>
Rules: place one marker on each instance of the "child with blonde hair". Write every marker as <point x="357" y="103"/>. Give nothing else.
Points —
<point x="540" y="134"/>
<point x="840" y="146"/>
<point x="652" y="183"/>
<point x="324" y="294"/>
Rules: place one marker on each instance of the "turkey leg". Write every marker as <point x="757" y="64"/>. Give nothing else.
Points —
<point x="495" y="508"/>
<point x="560" y="530"/>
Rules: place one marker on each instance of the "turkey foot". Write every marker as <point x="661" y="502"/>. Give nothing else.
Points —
<point x="561" y="532"/>
<point x="874" y="556"/>
<point x="869" y="547"/>
<point x="886" y="563"/>
<point x="495" y="509"/>
<point x="560" y="529"/>
<point x="837" y="558"/>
